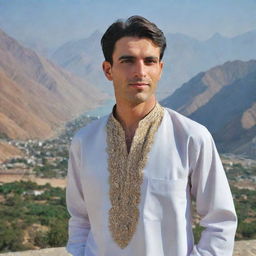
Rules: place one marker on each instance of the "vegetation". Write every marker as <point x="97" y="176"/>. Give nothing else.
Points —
<point x="3" y="136"/>
<point x="197" y="232"/>
<point x="245" y="202"/>
<point x="25" y="205"/>
<point x="40" y="211"/>
<point x="34" y="216"/>
<point x="57" y="169"/>
<point x="237" y="172"/>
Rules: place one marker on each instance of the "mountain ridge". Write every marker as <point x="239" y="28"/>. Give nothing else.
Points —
<point x="224" y="100"/>
<point x="184" y="57"/>
<point x="36" y="95"/>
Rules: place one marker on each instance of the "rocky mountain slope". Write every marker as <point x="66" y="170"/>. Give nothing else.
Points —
<point x="224" y="100"/>
<point x="36" y="96"/>
<point x="8" y="151"/>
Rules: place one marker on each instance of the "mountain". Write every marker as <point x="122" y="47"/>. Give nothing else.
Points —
<point x="184" y="58"/>
<point x="8" y="151"/>
<point x="84" y="58"/>
<point x="224" y="100"/>
<point x="36" y="96"/>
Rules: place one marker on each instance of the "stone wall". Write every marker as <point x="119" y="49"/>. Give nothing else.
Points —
<point x="242" y="248"/>
<point x="245" y="248"/>
<point x="43" y="252"/>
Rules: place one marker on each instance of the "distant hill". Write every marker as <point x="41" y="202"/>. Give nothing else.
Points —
<point x="224" y="100"/>
<point x="36" y="96"/>
<point x="184" y="58"/>
<point x="84" y="58"/>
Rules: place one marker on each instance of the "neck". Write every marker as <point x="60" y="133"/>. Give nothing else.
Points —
<point x="130" y="116"/>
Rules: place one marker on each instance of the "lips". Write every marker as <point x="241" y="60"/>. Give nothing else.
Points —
<point x="138" y="84"/>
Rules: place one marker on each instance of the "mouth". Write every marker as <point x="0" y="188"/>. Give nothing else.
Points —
<point x="138" y="84"/>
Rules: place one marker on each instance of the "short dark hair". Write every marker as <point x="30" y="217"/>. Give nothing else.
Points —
<point x="135" y="26"/>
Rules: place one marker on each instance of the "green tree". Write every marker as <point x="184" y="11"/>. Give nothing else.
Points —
<point x="57" y="236"/>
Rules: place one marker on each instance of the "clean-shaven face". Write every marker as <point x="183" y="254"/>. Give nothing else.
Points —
<point x="135" y="71"/>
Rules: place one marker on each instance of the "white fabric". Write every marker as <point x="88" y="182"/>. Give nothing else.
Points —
<point x="183" y="161"/>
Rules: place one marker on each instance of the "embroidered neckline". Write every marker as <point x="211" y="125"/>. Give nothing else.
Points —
<point x="126" y="173"/>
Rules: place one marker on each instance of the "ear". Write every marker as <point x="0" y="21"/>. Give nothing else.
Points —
<point x="107" y="68"/>
<point x="161" y="68"/>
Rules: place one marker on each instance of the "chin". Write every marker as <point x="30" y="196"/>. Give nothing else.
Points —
<point x="138" y="99"/>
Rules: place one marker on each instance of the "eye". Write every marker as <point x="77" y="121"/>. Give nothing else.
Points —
<point x="150" y="61"/>
<point x="127" y="61"/>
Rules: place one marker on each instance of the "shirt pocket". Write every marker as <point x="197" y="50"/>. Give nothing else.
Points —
<point x="164" y="198"/>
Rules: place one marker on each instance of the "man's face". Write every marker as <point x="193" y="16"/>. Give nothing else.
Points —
<point x="135" y="71"/>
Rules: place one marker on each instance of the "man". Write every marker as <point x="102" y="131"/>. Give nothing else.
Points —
<point x="132" y="173"/>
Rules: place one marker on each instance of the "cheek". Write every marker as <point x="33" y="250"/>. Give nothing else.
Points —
<point x="156" y="76"/>
<point x="119" y="74"/>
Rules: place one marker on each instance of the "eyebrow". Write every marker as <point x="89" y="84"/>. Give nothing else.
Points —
<point x="129" y="57"/>
<point x="152" y="58"/>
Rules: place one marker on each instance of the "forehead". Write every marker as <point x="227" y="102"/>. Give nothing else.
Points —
<point x="135" y="46"/>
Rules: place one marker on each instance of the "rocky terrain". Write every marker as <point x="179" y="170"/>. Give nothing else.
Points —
<point x="36" y="96"/>
<point x="8" y="151"/>
<point x="224" y="100"/>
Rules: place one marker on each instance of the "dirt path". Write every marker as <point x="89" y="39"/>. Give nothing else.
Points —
<point x="5" y="178"/>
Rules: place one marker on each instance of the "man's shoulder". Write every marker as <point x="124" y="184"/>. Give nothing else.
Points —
<point x="185" y="125"/>
<point x="91" y="129"/>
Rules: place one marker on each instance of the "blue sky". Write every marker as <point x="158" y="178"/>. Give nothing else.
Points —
<point x="53" y="22"/>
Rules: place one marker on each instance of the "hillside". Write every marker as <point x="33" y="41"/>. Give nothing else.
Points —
<point x="8" y="151"/>
<point x="36" y="96"/>
<point x="84" y="58"/>
<point x="224" y="100"/>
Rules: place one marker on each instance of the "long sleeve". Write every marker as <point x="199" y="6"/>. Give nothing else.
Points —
<point x="214" y="202"/>
<point x="79" y="225"/>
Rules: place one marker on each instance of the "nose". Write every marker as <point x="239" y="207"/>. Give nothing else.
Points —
<point x="140" y="69"/>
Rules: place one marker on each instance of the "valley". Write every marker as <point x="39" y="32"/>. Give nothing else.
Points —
<point x="41" y="106"/>
<point x="34" y="185"/>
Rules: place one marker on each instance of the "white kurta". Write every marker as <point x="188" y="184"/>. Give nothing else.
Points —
<point x="183" y="161"/>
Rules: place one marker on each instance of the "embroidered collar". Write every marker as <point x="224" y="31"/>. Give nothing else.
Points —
<point x="126" y="172"/>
